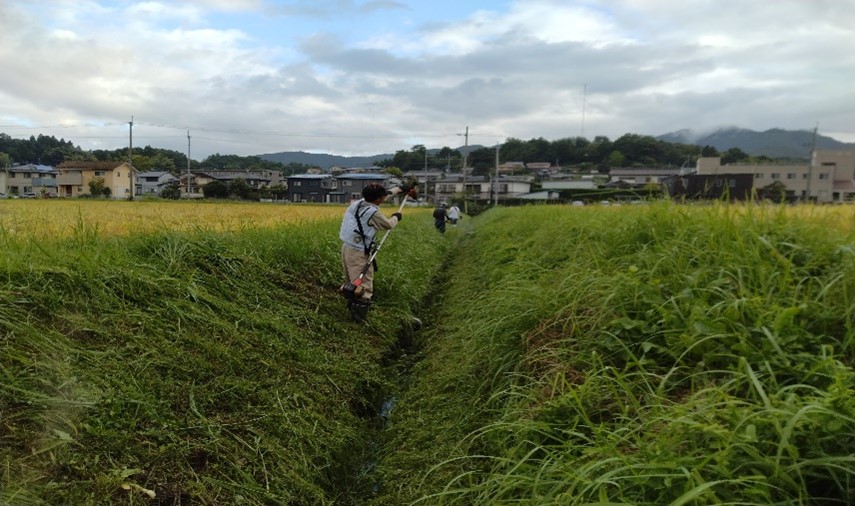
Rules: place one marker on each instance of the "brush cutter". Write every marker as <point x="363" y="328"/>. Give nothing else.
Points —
<point x="353" y="290"/>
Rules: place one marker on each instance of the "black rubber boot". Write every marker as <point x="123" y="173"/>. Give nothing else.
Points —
<point x="359" y="309"/>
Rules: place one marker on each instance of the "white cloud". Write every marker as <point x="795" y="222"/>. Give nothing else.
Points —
<point x="363" y="77"/>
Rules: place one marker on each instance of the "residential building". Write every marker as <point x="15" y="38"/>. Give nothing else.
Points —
<point x="198" y="179"/>
<point x="511" y="167"/>
<point x="638" y="178"/>
<point x="482" y="187"/>
<point x="312" y="188"/>
<point x="710" y="186"/>
<point x="73" y="178"/>
<point x="541" y="196"/>
<point x="152" y="183"/>
<point x="565" y="184"/>
<point x="350" y="185"/>
<point x="29" y="180"/>
<point x="829" y="177"/>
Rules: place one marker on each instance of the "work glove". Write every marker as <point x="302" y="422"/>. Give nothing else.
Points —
<point x="398" y="215"/>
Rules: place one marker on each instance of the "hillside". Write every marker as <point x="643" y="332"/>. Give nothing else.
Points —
<point x="774" y="143"/>
<point x="323" y="160"/>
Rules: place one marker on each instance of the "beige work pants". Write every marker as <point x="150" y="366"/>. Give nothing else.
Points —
<point x="353" y="261"/>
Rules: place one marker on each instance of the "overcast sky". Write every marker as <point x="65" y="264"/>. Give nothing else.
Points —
<point x="363" y="77"/>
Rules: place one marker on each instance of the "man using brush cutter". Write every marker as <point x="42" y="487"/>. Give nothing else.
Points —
<point x="359" y="247"/>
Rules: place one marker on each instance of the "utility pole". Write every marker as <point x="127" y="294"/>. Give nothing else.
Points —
<point x="188" y="164"/>
<point x="810" y="166"/>
<point x="131" y="158"/>
<point x="496" y="202"/>
<point x="465" y="156"/>
<point x="426" y="176"/>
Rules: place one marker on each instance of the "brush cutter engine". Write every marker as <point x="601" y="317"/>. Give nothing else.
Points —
<point x="351" y="291"/>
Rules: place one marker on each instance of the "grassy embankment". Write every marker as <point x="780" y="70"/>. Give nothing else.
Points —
<point x="636" y="355"/>
<point x="213" y="365"/>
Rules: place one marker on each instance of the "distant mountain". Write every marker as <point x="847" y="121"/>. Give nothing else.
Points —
<point x="322" y="160"/>
<point x="325" y="161"/>
<point x="774" y="143"/>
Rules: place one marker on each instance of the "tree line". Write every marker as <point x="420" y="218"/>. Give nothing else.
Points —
<point x="601" y="153"/>
<point x="628" y="151"/>
<point x="48" y="150"/>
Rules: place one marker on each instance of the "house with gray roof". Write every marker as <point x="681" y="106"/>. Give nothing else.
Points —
<point x="311" y="187"/>
<point x="28" y="180"/>
<point x="350" y="185"/>
<point x="153" y="182"/>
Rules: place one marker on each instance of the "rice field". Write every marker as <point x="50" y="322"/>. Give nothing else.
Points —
<point x="58" y="218"/>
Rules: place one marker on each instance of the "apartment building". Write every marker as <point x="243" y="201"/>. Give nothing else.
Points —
<point x="829" y="177"/>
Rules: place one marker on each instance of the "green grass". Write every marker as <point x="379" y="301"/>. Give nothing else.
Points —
<point x="206" y="367"/>
<point x="641" y="355"/>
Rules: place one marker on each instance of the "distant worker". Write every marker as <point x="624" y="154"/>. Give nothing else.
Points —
<point x="359" y="227"/>
<point x="453" y="215"/>
<point x="440" y="216"/>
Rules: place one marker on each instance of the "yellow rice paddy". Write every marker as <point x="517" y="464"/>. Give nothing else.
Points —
<point x="46" y="219"/>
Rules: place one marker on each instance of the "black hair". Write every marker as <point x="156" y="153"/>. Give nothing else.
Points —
<point x="373" y="192"/>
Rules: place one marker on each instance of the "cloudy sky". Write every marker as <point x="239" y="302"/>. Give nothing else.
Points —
<point x="362" y="77"/>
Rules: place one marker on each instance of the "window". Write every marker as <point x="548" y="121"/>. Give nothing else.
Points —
<point x="345" y="182"/>
<point x="775" y="175"/>
<point x="100" y="173"/>
<point x="355" y="196"/>
<point x="296" y="184"/>
<point x="804" y="176"/>
<point x="823" y="175"/>
<point x="791" y="175"/>
<point x="758" y="175"/>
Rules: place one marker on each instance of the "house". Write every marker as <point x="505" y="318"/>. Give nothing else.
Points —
<point x="198" y="180"/>
<point x="311" y="188"/>
<point x="828" y="177"/>
<point x="585" y="184"/>
<point x="511" y="167"/>
<point x="28" y="180"/>
<point x="350" y="185"/>
<point x="540" y="196"/>
<point x="482" y="187"/>
<point x="710" y="186"/>
<point x="153" y="182"/>
<point x="539" y="167"/>
<point x="73" y="178"/>
<point x="638" y="178"/>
